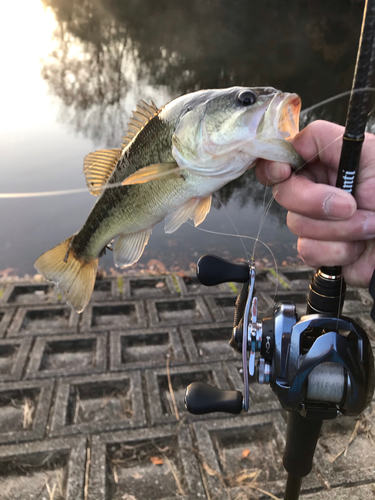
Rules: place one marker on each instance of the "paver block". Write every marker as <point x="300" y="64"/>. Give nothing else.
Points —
<point x="222" y="306"/>
<point x="43" y="321"/>
<point x="155" y="464"/>
<point x="144" y="348"/>
<point x="43" y="470"/>
<point x="116" y="315"/>
<point x="146" y="287"/>
<point x="238" y="451"/>
<point x="365" y="321"/>
<point x="297" y="278"/>
<point x="358" y="492"/>
<point x="68" y="355"/>
<point x="177" y="311"/>
<point x="190" y="285"/>
<point x="13" y="355"/>
<point x="6" y="316"/>
<point x="209" y="343"/>
<point x="24" y="409"/>
<point x="105" y="289"/>
<point x="98" y="404"/>
<point x="356" y="465"/>
<point x="30" y="294"/>
<point x="160" y="397"/>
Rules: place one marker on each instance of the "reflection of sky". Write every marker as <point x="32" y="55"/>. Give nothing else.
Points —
<point x="42" y="144"/>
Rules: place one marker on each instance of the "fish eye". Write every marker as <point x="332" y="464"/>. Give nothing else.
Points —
<point x="247" y="97"/>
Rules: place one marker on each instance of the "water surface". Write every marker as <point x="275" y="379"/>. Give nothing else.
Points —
<point x="75" y="71"/>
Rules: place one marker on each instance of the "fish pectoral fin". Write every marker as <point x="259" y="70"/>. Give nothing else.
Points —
<point x="98" y="166"/>
<point x="202" y="210"/>
<point x="195" y="208"/>
<point x="153" y="173"/>
<point x="129" y="247"/>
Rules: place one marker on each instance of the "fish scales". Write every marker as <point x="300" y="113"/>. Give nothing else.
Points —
<point x="151" y="146"/>
<point x="177" y="157"/>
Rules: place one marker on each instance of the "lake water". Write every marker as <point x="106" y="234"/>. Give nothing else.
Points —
<point x="72" y="72"/>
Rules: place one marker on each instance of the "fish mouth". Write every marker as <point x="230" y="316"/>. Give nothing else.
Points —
<point x="288" y="124"/>
<point x="281" y="119"/>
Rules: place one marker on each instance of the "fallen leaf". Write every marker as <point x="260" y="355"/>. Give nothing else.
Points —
<point x="209" y="470"/>
<point x="161" y="284"/>
<point x="137" y="475"/>
<point x="245" y="453"/>
<point x="113" y="271"/>
<point x="156" y="265"/>
<point x="156" y="460"/>
<point x="246" y="476"/>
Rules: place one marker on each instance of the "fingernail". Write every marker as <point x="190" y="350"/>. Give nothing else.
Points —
<point x="337" y="206"/>
<point x="276" y="171"/>
<point x="369" y="225"/>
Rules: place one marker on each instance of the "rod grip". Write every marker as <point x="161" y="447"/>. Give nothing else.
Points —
<point x="301" y="437"/>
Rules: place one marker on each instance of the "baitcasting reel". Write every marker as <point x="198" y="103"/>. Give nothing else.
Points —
<point x="317" y="365"/>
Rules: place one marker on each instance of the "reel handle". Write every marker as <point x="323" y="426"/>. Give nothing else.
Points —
<point x="202" y="398"/>
<point x="212" y="270"/>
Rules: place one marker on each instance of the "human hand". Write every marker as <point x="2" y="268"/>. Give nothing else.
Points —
<point x="334" y="229"/>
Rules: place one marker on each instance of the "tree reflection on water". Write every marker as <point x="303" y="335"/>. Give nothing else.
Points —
<point x="110" y="53"/>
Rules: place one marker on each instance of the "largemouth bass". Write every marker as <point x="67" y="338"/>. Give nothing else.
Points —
<point x="171" y="161"/>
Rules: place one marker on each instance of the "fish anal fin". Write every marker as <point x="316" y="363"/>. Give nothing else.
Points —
<point x="143" y="114"/>
<point x="74" y="277"/>
<point x="153" y="172"/>
<point x="129" y="247"/>
<point x="202" y="210"/>
<point x="98" y="167"/>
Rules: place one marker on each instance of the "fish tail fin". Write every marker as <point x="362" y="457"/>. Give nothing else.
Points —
<point x="74" y="277"/>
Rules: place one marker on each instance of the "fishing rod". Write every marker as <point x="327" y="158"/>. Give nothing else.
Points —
<point x="327" y="288"/>
<point x="321" y="364"/>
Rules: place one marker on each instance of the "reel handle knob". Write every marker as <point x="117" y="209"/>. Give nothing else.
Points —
<point x="212" y="270"/>
<point x="202" y="398"/>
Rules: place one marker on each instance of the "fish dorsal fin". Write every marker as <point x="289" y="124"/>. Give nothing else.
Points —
<point x="153" y="172"/>
<point x="98" y="166"/>
<point x="140" y="118"/>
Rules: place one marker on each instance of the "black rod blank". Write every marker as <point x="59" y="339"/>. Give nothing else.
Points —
<point x="359" y="103"/>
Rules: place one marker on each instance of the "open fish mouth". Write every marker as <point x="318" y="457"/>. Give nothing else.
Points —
<point x="281" y="119"/>
<point x="288" y="123"/>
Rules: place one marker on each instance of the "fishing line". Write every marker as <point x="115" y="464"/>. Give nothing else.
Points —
<point x="248" y="238"/>
<point x="263" y="218"/>
<point x="84" y="190"/>
<point x="338" y="96"/>
<point x="230" y="220"/>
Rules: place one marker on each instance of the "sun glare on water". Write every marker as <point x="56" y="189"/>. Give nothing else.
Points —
<point x="26" y="36"/>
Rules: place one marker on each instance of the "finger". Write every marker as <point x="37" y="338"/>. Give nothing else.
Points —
<point x="272" y="172"/>
<point x="318" y="201"/>
<point x="361" y="226"/>
<point x="317" y="253"/>
<point x="360" y="272"/>
<point x="320" y="140"/>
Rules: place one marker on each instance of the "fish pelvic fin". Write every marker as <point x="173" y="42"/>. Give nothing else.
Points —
<point x="128" y="248"/>
<point x="195" y="208"/>
<point x="74" y="277"/>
